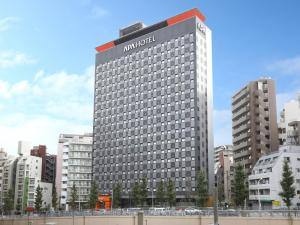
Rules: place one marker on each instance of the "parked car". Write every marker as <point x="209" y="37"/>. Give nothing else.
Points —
<point x="192" y="211"/>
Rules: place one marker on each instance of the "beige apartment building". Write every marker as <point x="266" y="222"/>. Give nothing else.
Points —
<point x="254" y="124"/>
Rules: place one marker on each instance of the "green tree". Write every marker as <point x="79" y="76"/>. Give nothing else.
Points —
<point x="93" y="196"/>
<point x="144" y="191"/>
<point x="171" y="195"/>
<point x="287" y="182"/>
<point x="38" y="199"/>
<point x="160" y="192"/>
<point x="239" y="186"/>
<point x="8" y="202"/>
<point x="117" y="195"/>
<point x="74" y="197"/>
<point x="54" y="198"/>
<point x="201" y="189"/>
<point x="136" y="194"/>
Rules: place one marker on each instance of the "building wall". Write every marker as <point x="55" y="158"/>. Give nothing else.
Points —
<point x="254" y="124"/>
<point x="9" y="174"/>
<point x="47" y="194"/>
<point x="223" y="164"/>
<point x="76" y="167"/>
<point x="154" y="220"/>
<point x="153" y="108"/>
<point x="24" y="147"/>
<point x="290" y="113"/>
<point x="266" y="176"/>
<point x="3" y="158"/>
<point x="28" y="176"/>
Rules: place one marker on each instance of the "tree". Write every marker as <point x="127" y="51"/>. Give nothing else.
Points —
<point x="239" y="186"/>
<point x="54" y="198"/>
<point x="160" y="193"/>
<point x="38" y="199"/>
<point x="144" y="191"/>
<point x="201" y="189"/>
<point x="136" y="194"/>
<point x="288" y="190"/>
<point x="74" y="196"/>
<point x="117" y="195"/>
<point x="93" y="196"/>
<point x="171" y="195"/>
<point x="8" y="202"/>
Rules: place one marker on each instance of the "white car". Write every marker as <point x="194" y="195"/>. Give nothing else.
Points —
<point x="192" y="211"/>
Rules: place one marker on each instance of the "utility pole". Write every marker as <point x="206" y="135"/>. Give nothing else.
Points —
<point x="216" y="219"/>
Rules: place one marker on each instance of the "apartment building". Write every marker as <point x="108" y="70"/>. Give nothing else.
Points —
<point x="75" y="160"/>
<point x="254" y="124"/>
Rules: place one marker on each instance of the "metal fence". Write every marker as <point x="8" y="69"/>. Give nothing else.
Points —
<point x="164" y="212"/>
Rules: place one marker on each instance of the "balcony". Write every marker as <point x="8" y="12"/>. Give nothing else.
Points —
<point x="240" y="129"/>
<point x="237" y="97"/>
<point x="240" y="120"/>
<point x="240" y="112"/>
<point x="242" y="102"/>
<point x="240" y="137"/>
<point x="241" y="154"/>
<point x="242" y="145"/>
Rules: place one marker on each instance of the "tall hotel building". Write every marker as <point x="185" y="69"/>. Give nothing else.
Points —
<point x="254" y="124"/>
<point x="153" y="105"/>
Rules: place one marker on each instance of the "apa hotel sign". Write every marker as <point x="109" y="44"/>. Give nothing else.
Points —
<point x="139" y="43"/>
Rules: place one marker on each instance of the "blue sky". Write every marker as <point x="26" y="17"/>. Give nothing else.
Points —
<point x="47" y="56"/>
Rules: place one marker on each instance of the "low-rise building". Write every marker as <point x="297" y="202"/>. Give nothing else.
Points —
<point x="47" y="194"/>
<point x="223" y="167"/>
<point x="264" y="182"/>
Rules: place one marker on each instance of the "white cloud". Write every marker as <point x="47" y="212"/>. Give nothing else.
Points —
<point x="99" y="11"/>
<point x="284" y="97"/>
<point x="290" y="66"/>
<point x="7" y="22"/>
<point x="4" y="89"/>
<point x="13" y="58"/>
<point x="21" y="87"/>
<point x="41" y="109"/>
<point x="38" y="129"/>
<point x="38" y="75"/>
<point x="222" y="127"/>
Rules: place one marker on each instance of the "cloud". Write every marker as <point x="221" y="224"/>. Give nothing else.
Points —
<point x="222" y="127"/>
<point x="99" y="11"/>
<point x="4" y="89"/>
<point x="38" y="129"/>
<point x="21" y="87"/>
<point x="38" y="110"/>
<point x="284" y="97"/>
<point x="7" y="22"/>
<point x="13" y="58"/>
<point x="290" y="66"/>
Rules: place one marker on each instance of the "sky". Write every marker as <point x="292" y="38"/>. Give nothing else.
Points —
<point x="47" y="56"/>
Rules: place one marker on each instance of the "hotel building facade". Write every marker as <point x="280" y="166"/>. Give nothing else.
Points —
<point x="153" y="106"/>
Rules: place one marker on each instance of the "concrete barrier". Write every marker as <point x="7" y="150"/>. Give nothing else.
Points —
<point x="149" y="220"/>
